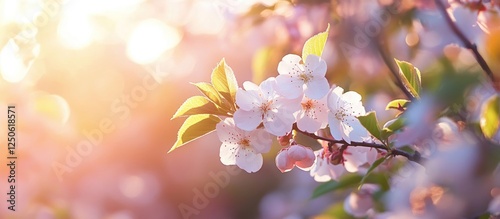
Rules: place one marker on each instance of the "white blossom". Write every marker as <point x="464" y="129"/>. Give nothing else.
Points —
<point x="344" y="109"/>
<point x="263" y="104"/>
<point x="296" y="78"/>
<point x="242" y="148"/>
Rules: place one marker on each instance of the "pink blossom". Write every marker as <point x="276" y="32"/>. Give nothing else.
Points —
<point x="263" y="104"/>
<point x="295" y="155"/>
<point x="242" y="148"/>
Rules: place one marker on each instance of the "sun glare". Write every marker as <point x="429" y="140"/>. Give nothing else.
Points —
<point x="75" y="31"/>
<point x="12" y="65"/>
<point x="150" y="39"/>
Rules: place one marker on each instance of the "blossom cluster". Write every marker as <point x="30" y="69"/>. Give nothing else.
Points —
<point x="437" y="130"/>
<point x="299" y="95"/>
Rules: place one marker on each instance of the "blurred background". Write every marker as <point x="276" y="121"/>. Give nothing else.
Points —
<point x="95" y="84"/>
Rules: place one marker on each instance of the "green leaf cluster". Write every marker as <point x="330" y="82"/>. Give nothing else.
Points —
<point x="202" y="112"/>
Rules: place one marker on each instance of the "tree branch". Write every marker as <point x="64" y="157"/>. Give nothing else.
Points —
<point x="395" y="72"/>
<point x="442" y="8"/>
<point x="411" y="157"/>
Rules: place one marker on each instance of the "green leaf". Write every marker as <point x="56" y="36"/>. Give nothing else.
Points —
<point x="211" y="93"/>
<point x="372" y="167"/>
<point x="490" y="117"/>
<point x="197" y="105"/>
<point x="398" y="104"/>
<point x="369" y="121"/>
<point x="351" y="181"/>
<point x="315" y="44"/>
<point x="224" y="81"/>
<point x="346" y="181"/>
<point x="410" y="76"/>
<point x="398" y="124"/>
<point x="195" y="127"/>
<point x="452" y="88"/>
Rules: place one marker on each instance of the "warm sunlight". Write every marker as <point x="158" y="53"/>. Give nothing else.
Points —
<point x="249" y="109"/>
<point x="150" y="39"/>
<point x="12" y="66"/>
<point x="75" y="31"/>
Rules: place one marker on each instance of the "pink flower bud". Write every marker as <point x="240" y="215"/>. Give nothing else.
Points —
<point x="303" y="156"/>
<point x="359" y="203"/>
<point x="283" y="163"/>
<point x="295" y="155"/>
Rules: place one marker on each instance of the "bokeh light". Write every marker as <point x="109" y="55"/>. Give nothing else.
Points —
<point x="51" y="106"/>
<point x="13" y="66"/>
<point x="150" y="39"/>
<point x="75" y="31"/>
<point x="96" y="83"/>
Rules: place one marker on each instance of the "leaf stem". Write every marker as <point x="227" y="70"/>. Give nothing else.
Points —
<point x="415" y="157"/>
<point x="468" y="44"/>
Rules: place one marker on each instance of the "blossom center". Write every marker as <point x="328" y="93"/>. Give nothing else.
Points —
<point x="340" y="114"/>
<point x="307" y="105"/>
<point x="244" y="142"/>
<point x="266" y="106"/>
<point x="304" y="77"/>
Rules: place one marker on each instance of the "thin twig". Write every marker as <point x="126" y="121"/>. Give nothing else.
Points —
<point x="468" y="44"/>
<point x="412" y="157"/>
<point x="395" y="72"/>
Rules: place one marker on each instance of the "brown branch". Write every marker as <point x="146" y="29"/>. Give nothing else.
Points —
<point x="469" y="45"/>
<point x="411" y="157"/>
<point x="395" y="72"/>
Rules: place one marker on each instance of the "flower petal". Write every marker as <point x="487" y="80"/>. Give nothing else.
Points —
<point x="354" y="159"/>
<point x="268" y="88"/>
<point x="307" y="123"/>
<point x="306" y="163"/>
<point x="290" y="65"/>
<point x="283" y="163"/>
<point x="289" y="86"/>
<point x="351" y="97"/>
<point x="288" y="106"/>
<point x="247" y="99"/>
<point x="260" y="140"/>
<point x="247" y="120"/>
<point x="335" y="127"/>
<point x="278" y="123"/>
<point x="358" y="131"/>
<point x="316" y="65"/>
<point x="334" y="97"/>
<point x="323" y="171"/>
<point x="346" y="131"/>
<point x="248" y="85"/>
<point x="248" y="160"/>
<point x="227" y="153"/>
<point x="227" y="131"/>
<point x="336" y="171"/>
<point x="317" y="88"/>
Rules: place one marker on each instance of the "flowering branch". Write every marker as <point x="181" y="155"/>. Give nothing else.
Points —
<point x="442" y="8"/>
<point x="416" y="157"/>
